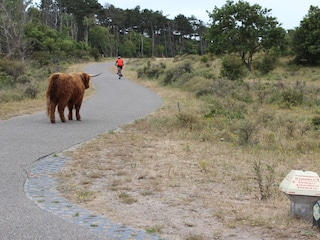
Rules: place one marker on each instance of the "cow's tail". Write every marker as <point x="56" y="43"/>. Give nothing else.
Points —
<point x="52" y="89"/>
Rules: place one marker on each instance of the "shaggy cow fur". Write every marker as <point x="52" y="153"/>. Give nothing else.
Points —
<point x="66" y="90"/>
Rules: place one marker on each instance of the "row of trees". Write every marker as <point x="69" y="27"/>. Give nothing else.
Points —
<point x="62" y="28"/>
<point x="132" y="32"/>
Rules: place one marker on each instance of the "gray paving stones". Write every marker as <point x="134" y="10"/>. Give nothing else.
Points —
<point x="40" y="187"/>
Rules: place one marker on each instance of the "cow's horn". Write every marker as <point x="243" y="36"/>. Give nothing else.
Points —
<point x="95" y="75"/>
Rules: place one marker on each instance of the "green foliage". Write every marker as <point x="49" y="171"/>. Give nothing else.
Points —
<point x="5" y="80"/>
<point x="244" y="29"/>
<point x="204" y="59"/>
<point x="101" y="39"/>
<point x="292" y="97"/>
<point x="229" y="109"/>
<point x="246" y="132"/>
<point x="128" y="48"/>
<point x="23" y="79"/>
<point x="82" y="11"/>
<point x="95" y="53"/>
<point x="153" y="230"/>
<point x="232" y="68"/>
<point x="266" y="64"/>
<point x="31" y="91"/>
<point x="12" y="68"/>
<point x="305" y="40"/>
<point x="60" y="45"/>
<point x="315" y="122"/>
<point x="172" y="75"/>
<point x="151" y="71"/>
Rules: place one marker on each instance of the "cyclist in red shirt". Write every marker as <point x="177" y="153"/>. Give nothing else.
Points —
<point x="119" y="64"/>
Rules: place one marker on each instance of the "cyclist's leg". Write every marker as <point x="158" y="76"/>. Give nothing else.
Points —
<point x="119" y="72"/>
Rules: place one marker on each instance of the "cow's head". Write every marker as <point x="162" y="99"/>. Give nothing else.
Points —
<point x="85" y="79"/>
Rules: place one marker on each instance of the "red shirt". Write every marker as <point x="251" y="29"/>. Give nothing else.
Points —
<point x="119" y="62"/>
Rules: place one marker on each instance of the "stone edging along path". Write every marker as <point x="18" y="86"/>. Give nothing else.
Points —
<point x="40" y="187"/>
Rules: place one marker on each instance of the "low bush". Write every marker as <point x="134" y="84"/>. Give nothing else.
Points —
<point x="266" y="64"/>
<point x="151" y="71"/>
<point x="315" y="122"/>
<point x="172" y="75"/>
<point x="12" y="68"/>
<point x="232" y="68"/>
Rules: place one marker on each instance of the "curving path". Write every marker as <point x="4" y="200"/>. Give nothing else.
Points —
<point x="26" y="140"/>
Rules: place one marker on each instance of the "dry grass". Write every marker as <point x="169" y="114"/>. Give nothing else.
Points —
<point x="29" y="106"/>
<point x="11" y="109"/>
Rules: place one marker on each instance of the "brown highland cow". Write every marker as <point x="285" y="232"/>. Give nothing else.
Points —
<point x="66" y="90"/>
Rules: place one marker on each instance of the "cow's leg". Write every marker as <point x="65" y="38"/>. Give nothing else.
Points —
<point x="52" y="112"/>
<point x="61" y="108"/>
<point x="70" y="107"/>
<point x="78" y="111"/>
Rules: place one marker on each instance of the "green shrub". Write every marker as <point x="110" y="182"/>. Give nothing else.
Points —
<point x="292" y="97"/>
<point x="12" y="68"/>
<point x="31" y="91"/>
<point x="151" y="71"/>
<point x="23" y="79"/>
<point x="315" y="122"/>
<point x="246" y="132"/>
<point x="5" y="80"/>
<point x="172" y="75"/>
<point x="203" y="92"/>
<point x="232" y="68"/>
<point x="266" y="64"/>
<point x="229" y="109"/>
<point x="169" y="76"/>
<point x="204" y="59"/>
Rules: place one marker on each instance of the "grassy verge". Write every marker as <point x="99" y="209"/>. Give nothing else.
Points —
<point x="29" y="106"/>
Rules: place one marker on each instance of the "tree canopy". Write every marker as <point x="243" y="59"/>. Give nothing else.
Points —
<point x="131" y="32"/>
<point x="62" y="28"/>
<point x="306" y="38"/>
<point x="244" y="29"/>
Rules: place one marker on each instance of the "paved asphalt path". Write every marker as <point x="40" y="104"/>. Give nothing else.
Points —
<point x="25" y="139"/>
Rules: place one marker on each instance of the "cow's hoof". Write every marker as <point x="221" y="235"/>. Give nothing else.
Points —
<point x="53" y="121"/>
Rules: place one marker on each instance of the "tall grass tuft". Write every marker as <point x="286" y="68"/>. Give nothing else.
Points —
<point x="265" y="178"/>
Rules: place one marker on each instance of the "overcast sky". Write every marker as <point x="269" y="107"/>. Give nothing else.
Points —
<point x="288" y="12"/>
